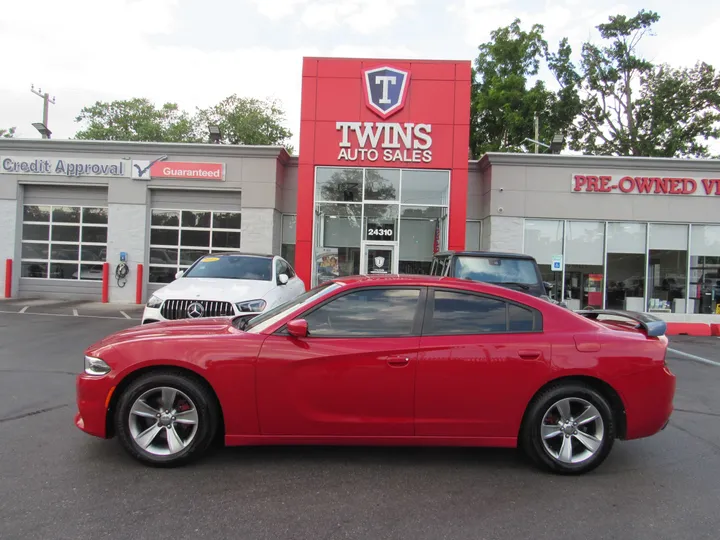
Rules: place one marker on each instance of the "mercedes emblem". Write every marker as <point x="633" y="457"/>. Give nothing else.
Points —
<point x="195" y="310"/>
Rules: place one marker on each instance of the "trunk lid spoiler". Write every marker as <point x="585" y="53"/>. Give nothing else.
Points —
<point x="651" y="325"/>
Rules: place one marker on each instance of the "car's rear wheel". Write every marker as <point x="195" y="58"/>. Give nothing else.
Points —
<point x="569" y="429"/>
<point x="166" y="418"/>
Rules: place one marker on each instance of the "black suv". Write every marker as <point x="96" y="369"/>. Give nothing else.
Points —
<point x="511" y="270"/>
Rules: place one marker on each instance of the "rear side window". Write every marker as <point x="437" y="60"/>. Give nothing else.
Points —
<point x="458" y="313"/>
<point x="520" y="319"/>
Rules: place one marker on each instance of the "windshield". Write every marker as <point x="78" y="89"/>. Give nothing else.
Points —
<point x="271" y="316"/>
<point x="232" y="267"/>
<point x="496" y="270"/>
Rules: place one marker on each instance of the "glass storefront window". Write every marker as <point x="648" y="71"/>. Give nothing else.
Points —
<point x="425" y="187"/>
<point x="667" y="268"/>
<point x="626" y="245"/>
<point x="704" y="269"/>
<point x="360" y="211"/>
<point x="382" y="184"/>
<point x="338" y="230"/>
<point x="584" y="250"/>
<point x="544" y="240"/>
<point x="381" y="222"/>
<point x="341" y="185"/>
<point x="420" y="237"/>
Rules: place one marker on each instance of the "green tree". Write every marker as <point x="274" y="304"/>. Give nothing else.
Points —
<point x="633" y="107"/>
<point x="7" y="133"/>
<point x="246" y="121"/>
<point x="504" y="103"/>
<point x="135" y="119"/>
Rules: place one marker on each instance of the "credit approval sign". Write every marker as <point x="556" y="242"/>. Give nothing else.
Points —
<point x="186" y="170"/>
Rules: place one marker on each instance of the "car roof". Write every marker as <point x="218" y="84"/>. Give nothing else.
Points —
<point x="434" y="281"/>
<point x="480" y="253"/>
<point x="239" y="253"/>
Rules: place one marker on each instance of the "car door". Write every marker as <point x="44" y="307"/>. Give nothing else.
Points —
<point x="295" y="284"/>
<point x="353" y="375"/>
<point x="281" y="293"/>
<point x="480" y="360"/>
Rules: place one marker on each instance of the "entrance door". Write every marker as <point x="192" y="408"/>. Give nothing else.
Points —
<point x="379" y="259"/>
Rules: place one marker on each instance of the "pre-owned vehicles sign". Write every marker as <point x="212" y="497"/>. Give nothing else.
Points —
<point x="145" y="170"/>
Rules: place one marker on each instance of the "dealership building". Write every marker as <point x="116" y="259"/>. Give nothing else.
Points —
<point x="381" y="183"/>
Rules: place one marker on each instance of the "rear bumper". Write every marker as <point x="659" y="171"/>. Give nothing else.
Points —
<point x="648" y="402"/>
<point x="92" y="393"/>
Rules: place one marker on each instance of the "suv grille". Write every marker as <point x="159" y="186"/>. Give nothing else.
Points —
<point x="178" y="309"/>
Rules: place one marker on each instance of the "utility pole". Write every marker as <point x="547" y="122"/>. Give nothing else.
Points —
<point x="46" y="105"/>
<point x="536" y="121"/>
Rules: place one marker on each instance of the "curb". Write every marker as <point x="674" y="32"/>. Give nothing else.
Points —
<point x="692" y="329"/>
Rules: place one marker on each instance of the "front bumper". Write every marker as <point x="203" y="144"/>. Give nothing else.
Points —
<point x="93" y="396"/>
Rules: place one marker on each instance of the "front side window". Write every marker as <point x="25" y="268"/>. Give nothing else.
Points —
<point x="366" y="312"/>
<point x="458" y="313"/>
<point x="232" y="267"/>
<point x="258" y="323"/>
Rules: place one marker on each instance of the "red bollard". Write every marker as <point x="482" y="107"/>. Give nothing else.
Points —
<point x="8" y="278"/>
<point x="105" y="282"/>
<point x="139" y="284"/>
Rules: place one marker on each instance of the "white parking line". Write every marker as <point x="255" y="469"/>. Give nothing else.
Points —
<point x="23" y="310"/>
<point x="75" y="312"/>
<point x="125" y="314"/>
<point x="693" y="357"/>
<point x="67" y="315"/>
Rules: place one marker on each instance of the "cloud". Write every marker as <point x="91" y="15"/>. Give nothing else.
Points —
<point x="362" y="16"/>
<point x="86" y="51"/>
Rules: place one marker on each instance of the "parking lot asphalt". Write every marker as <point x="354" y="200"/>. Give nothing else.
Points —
<point x="57" y="482"/>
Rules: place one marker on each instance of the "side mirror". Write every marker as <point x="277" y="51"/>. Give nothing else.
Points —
<point x="298" y="328"/>
<point x="283" y="279"/>
<point x="548" y="286"/>
<point x="179" y="274"/>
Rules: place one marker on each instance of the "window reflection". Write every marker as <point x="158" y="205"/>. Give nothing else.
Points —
<point x="370" y="312"/>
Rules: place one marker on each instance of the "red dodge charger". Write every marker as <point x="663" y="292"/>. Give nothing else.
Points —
<point x="392" y="360"/>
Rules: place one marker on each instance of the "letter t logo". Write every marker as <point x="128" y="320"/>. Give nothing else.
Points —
<point x="385" y="81"/>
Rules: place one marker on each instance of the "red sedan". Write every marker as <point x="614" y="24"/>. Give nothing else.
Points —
<point x="395" y="360"/>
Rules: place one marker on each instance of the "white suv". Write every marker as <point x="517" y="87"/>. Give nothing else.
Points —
<point x="225" y="285"/>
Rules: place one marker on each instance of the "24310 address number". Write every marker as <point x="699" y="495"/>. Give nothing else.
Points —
<point x="380" y="232"/>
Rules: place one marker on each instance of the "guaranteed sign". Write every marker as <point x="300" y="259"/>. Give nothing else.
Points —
<point x="146" y="170"/>
<point x="73" y="167"/>
<point x="645" y="185"/>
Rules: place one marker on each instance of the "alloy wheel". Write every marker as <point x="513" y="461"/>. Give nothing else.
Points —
<point x="163" y="421"/>
<point x="572" y="431"/>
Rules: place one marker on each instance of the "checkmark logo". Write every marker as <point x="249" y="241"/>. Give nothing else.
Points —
<point x="142" y="170"/>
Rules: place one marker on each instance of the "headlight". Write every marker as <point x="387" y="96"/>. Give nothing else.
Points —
<point x="154" y="302"/>
<point x="95" y="366"/>
<point x="251" y="306"/>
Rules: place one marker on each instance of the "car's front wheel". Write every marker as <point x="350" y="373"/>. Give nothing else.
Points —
<point x="166" y="418"/>
<point x="569" y="429"/>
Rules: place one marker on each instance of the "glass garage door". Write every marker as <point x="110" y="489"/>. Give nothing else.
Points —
<point x="185" y="226"/>
<point x="63" y="241"/>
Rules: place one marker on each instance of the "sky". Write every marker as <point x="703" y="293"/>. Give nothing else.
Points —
<point x="197" y="52"/>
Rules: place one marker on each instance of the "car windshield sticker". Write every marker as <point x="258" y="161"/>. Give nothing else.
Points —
<point x="210" y="259"/>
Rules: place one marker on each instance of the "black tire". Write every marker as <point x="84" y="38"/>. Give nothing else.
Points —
<point x="531" y="440"/>
<point x="205" y="404"/>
